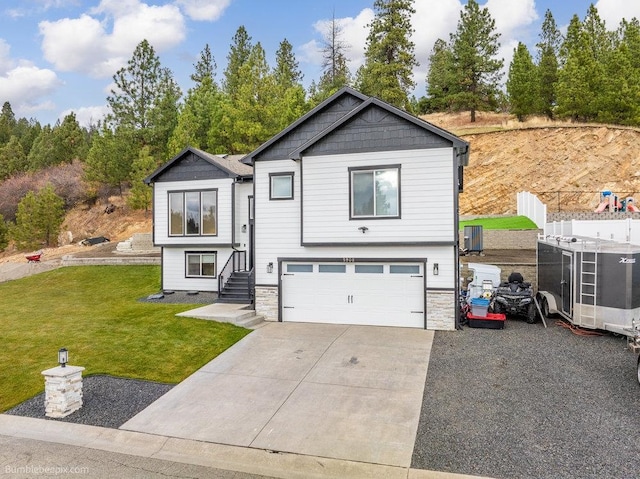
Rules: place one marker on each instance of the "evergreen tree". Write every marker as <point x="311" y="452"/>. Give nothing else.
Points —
<point x="40" y="152"/>
<point x="110" y="158"/>
<point x="522" y="84"/>
<point x="440" y="78"/>
<point x="38" y="219"/>
<point x="12" y="158"/>
<point x="389" y="56"/>
<point x="239" y="53"/>
<point x="474" y="46"/>
<point x="140" y="194"/>
<point x="290" y="101"/>
<point x="548" y="50"/>
<point x="202" y="109"/>
<point x="7" y="123"/>
<point x="144" y="101"/>
<point x="68" y="141"/>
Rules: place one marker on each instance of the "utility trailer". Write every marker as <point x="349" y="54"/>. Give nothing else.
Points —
<point x="591" y="282"/>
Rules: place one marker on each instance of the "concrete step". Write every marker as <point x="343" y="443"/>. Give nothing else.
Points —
<point x="235" y="313"/>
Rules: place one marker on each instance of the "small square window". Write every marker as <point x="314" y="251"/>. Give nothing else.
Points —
<point x="201" y="264"/>
<point x="375" y="192"/>
<point x="281" y="186"/>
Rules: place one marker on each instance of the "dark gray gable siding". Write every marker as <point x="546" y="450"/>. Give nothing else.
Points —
<point x="376" y="129"/>
<point x="191" y="167"/>
<point x="307" y="130"/>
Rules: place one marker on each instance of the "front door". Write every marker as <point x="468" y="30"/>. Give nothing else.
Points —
<point x="566" y="283"/>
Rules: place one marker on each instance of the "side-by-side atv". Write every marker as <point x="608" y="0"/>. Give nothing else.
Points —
<point x="515" y="297"/>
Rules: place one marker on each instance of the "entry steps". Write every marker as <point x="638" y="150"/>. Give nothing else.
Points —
<point x="237" y="314"/>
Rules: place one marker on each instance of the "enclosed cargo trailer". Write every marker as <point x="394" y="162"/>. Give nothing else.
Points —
<point x="593" y="283"/>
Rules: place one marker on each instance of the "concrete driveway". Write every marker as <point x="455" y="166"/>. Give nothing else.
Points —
<point x="337" y="391"/>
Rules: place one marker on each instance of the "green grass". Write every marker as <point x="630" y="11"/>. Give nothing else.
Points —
<point x="94" y="312"/>
<point x="502" y="223"/>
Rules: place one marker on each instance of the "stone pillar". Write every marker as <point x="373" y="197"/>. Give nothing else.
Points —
<point x="63" y="390"/>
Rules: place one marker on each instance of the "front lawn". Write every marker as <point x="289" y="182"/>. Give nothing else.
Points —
<point x="501" y="223"/>
<point x="94" y="312"/>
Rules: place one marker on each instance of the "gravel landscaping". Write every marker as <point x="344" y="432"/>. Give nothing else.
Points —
<point x="530" y="402"/>
<point x="107" y="401"/>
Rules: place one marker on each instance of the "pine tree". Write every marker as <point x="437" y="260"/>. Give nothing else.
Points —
<point x="12" y="158"/>
<point x="141" y="194"/>
<point x="38" y="219"/>
<point x="522" y="84"/>
<point x="7" y="123"/>
<point x="474" y="46"/>
<point x="110" y="158"/>
<point x="239" y="53"/>
<point x="548" y="50"/>
<point x="389" y="57"/>
<point x="68" y="141"/>
<point x="144" y="101"/>
<point x="290" y="101"/>
<point x="440" y="78"/>
<point x="201" y="111"/>
<point x="41" y="150"/>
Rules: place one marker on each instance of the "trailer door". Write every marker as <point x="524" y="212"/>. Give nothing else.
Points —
<point x="567" y="284"/>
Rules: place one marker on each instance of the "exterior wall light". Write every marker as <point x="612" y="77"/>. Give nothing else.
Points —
<point x="244" y="228"/>
<point x="364" y="229"/>
<point x="270" y="268"/>
<point x="63" y="357"/>
<point x="436" y="269"/>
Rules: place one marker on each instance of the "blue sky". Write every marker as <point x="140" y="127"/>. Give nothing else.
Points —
<point x="58" y="56"/>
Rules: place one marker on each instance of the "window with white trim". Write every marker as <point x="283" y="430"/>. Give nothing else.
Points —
<point x="281" y="186"/>
<point x="193" y="213"/>
<point x="375" y="192"/>
<point x="200" y="264"/>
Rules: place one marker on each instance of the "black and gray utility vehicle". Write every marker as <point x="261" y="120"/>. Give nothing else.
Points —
<point x="515" y="298"/>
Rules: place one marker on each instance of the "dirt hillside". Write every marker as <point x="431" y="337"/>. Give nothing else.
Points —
<point x="565" y="164"/>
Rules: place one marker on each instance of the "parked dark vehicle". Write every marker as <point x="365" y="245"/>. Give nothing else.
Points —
<point x="515" y="297"/>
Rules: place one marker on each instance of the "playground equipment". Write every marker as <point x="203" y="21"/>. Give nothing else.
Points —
<point x="609" y="201"/>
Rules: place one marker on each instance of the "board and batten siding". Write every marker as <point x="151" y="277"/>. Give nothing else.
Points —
<point x="426" y="198"/>
<point x="161" y="211"/>
<point x="174" y="275"/>
<point x="278" y="234"/>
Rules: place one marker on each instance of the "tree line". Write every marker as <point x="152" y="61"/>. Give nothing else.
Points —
<point x="590" y="74"/>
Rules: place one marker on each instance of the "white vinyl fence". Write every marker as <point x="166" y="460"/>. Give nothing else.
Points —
<point x="530" y="206"/>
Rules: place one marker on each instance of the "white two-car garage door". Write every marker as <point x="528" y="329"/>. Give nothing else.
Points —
<point x="379" y="294"/>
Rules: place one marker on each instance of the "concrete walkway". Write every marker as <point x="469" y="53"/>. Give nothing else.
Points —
<point x="335" y="391"/>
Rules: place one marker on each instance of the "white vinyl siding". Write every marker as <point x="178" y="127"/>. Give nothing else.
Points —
<point x="174" y="269"/>
<point x="243" y="191"/>
<point x="426" y="198"/>
<point x="161" y="211"/>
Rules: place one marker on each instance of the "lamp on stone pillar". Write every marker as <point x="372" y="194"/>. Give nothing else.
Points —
<point x="63" y="357"/>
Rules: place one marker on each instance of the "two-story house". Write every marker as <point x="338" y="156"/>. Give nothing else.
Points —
<point x="356" y="217"/>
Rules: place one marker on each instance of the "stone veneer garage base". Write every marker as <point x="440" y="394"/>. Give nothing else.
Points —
<point x="440" y="307"/>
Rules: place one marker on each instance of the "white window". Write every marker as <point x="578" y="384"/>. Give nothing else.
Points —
<point x="193" y="213"/>
<point x="281" y="186"/>
<point x="375" y="192"/>
<point x="201" y="264"/>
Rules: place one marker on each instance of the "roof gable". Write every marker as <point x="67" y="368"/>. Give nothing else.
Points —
<point x="307" y="126"/>
<point x="194" y="164"/>
<point x="377" y="126"/>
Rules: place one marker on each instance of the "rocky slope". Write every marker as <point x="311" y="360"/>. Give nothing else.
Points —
<point x="566" y="165"/>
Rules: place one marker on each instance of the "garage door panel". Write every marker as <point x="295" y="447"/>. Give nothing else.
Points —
<point x="371" y="298"/>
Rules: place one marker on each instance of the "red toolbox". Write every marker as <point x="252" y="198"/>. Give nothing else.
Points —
<point x="490" y="321"/>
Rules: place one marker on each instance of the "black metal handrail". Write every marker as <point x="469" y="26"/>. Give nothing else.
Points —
<point x="236" y="262"/>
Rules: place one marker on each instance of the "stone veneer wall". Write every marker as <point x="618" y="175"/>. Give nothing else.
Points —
<point x="266" y="302"/>
<point x="441" y="310"/>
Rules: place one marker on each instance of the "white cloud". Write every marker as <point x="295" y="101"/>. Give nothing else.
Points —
<point x="87" y="115"/>
<point x="209" y="10"/>
<point x="24" y="85"/>
<point x="512" y="16"/>
<point x="613" y="11"/>
<point x="84" y="44"/>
